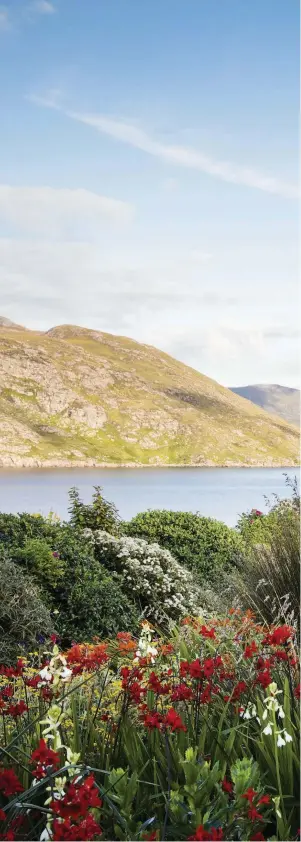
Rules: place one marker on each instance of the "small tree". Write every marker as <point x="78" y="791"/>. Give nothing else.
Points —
<point x="100" y="514"/>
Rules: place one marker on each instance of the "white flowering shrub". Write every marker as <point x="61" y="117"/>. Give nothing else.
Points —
<point x="163" y="589"/>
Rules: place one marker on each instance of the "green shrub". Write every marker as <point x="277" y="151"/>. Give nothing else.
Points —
<point x="22" y="613"/>
<point x="41" y="561"/>
<point x="268" y="578"/>
<point x="100" y="514"/>
<point x="203" y="545"/>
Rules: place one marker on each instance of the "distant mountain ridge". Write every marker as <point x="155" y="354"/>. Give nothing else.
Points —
<point x="78" y="397"/>
<point x="277" y="400"/>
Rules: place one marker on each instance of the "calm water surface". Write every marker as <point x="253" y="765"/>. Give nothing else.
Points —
<point x="222" y="493"/>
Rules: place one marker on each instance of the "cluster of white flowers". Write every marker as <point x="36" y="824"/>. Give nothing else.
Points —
<point x="151" y="574"/>
<point x="273" y="712"/>
<point x="272" y="705"/>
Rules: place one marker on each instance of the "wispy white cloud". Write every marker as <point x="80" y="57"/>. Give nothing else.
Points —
<point x="180" y="156"/>
<point x="42" y="7"/>
<point x="5" y="22"/>
<point x="55" y="212"/>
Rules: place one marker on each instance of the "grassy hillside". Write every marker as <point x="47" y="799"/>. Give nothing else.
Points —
<point x="75" y="396"/>
<point x="277" y="400"/>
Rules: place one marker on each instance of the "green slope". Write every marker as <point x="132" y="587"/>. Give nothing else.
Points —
<point x="75" y="396"/>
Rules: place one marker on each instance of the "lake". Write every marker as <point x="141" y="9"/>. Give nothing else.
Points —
<point x="221" y="493"/>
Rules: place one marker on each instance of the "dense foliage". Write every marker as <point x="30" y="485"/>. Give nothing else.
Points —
<point x="202" y="544"/>
<point x="191" y="738"/>
<point x="23" y="615"/>
<point x="268" y="577"/>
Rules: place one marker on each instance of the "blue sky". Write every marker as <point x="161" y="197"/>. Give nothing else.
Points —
<point x="149" y="176"/>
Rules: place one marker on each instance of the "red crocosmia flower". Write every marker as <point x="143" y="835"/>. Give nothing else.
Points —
<point x="150" y="836"/>
<point x="184" y="669"/>
<point x="155" y="684"/>
<point x="152" y="720"/>
<point x="53" y="637"/>
<point x="9" y="783"/>
<point x="253" y="815"/>
<point x="297" y="691"/>
<point x="250" y="650"/>
<point x="173" y="720"/>
<point x="264" y="678"/>
<point x="84" y="830"/>
<point x="33" y="682"/>
<point x="2" y="816"/>
<point x="7" y="691"/>
<point x="207" y="632"/>
<point x="78" y="799"/>
<point x="264" y="799"/>
<point x="227" y="786"/>
<point x="182" y="693"/>
<point x="44" y="757"/>
<point x="195" y="669"/>
<point x="238" y="690"/>
<point x="280" y="655"/>
<point x="17" y="710"/>
<point x="250" y="794"/>
<point x="205" y="696"/>
<point x="258" y="837"/>
<point x="279" y="636"/>
<point x="202" y="835"/>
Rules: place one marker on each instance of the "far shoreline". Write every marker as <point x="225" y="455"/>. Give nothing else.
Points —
<point x="4" y="469"/>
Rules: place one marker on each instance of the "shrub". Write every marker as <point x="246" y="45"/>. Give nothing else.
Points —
<point x="100" y="514"/>
<point x="89" y="602"/>
<point x="22" y="613"/>
<point x="161" y="587"/>
<point x="268" y="578"/>
<point x="41" y="561"/>
<point x="201" y="544"/>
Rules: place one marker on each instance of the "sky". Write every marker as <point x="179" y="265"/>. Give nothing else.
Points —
<point x="149" y="176"/>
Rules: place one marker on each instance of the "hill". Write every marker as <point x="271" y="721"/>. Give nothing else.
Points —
<point x="277" y="400"/>
<point x="73" y="396"/>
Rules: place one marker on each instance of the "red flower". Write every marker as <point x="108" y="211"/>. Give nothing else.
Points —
<point x="150" y="836"/>
<point x="195" y="669"/>
<point x="250" y="794"/>
<point x="279" y="636"/>
<point x="173" y="720"/>
<point x="207" y="632"/>
<point x="78" y="799"/>
<point x="16" y="710"/>
<point x="44" y="757"/>
<point x="227" y="786"/>
<point x="53" y="637"/>
<point x="264" y="678"/>
<point x="258" y="837"/>
<point x="253" y="815"/>
<point x="2" y="816"/>
<point x="156" y="685"/>
<point x="152" y="720"/>
<point x="205" y="696"/>
<point x="9" y="783"/>
<point x="265" y="799"/>
<point x="250" y="650"/>
<point x="297" y="691"/>
<point x="86" y="829"/>
<point x="239" y="688"/>
<point x="181" y="693"/>
<point x="202" y="835"/>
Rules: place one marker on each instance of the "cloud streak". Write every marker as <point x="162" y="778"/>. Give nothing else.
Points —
<point x="180" y="156"/>
<point x="55" y="212"/>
